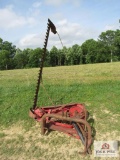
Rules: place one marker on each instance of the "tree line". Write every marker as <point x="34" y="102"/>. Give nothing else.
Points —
<point x="105" y="49"/>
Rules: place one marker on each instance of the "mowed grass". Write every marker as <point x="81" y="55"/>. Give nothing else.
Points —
<point x="95" y="85"/>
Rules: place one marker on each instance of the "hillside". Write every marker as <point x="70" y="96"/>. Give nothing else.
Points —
<point x="95" y="85"/>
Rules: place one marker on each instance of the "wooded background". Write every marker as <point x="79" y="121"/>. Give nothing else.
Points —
<point x="105" y="49"/>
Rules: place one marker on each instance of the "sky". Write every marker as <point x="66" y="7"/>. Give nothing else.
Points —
<point x="24" y="22"/>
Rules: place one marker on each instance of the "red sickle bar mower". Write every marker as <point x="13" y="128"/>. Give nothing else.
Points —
<point x="69" y="118"/>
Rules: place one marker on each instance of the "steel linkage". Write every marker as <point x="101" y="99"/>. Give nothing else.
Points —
<point x="69" y="118"/>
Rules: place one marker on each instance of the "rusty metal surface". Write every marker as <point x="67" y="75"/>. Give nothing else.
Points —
<point x="61" y="117"/>
<point x="57" y="118"/>
<point x="69" y="110"/>
<point x="89" y="137"/>
<point x="63" y="129"/>
<point x="51" y="26"/>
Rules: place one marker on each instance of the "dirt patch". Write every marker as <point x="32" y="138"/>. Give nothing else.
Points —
<point x="13" y="131"/>
<point x="25" y="145"/>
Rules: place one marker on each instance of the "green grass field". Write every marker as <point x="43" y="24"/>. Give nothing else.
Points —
<point x="95" y="85"/>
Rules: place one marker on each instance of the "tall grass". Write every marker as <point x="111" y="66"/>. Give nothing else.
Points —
<point x="95" y="85"/>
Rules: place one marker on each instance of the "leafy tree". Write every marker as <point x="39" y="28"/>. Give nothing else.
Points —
<point x="7" y="52"/>
<point x="66" y="52"/>
<point x="35" y="57"/>
<point x="105" y="49"/>
<point x="62" y="53"/>
<point x="54" y="56"/>
<point x="1" y="42"/>
<point x="107" y="39"/>
<point x="102" y="54"/>
<point x="117" y="44"/>
<point x="21" y="58"/>
<point x="26" y="54"/>
<point x="76" y="53"/>
<point x="4" y="59"/>
<point x="89" y="51"/>
<point x="47" y="59"/>
<point x="61" y="57"/>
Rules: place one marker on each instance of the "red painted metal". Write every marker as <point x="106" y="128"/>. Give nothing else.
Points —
<point x="69" y="118"/>
<point x="60" y="118"/>
<point x="69" y="110"/>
